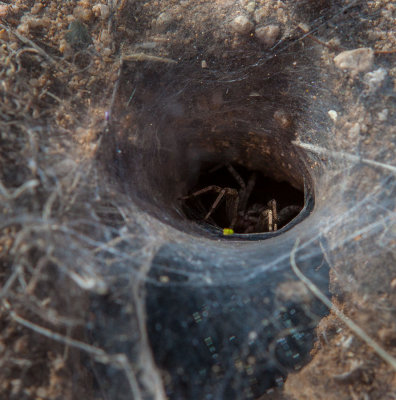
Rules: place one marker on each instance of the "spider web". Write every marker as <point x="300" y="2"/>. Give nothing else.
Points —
<point x="176" y="310"/>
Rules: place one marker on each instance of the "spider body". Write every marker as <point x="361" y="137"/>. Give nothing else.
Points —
<point x="242" y="216"/>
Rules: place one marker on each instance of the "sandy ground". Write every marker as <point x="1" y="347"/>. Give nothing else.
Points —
<point x="60" y="63"/>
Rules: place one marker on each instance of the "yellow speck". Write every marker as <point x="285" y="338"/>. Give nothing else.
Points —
<point x="228" y="231"/>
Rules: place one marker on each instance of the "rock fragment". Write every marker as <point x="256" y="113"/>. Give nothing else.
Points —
<point x="101" y="10"/>
<point x="77" y="35"/>
<point x="333" y="115"/>
<point x="250" y="7"/>
<point x="241" y="24"/>
<point x="375" y="79"/>
<point x="383" y="116"/>
<point x="163" y="22"/>
<point x="267" y="34"/>
<point x="355" y="61"/>
<point x="283" y="119"/>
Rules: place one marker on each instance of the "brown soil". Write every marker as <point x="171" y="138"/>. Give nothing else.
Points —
<point x="62" y="75"/>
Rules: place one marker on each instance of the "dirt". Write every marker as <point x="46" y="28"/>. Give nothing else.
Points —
<point x="60" y="67"/>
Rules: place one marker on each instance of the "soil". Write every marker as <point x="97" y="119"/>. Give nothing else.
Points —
<point x="61" y="63"/>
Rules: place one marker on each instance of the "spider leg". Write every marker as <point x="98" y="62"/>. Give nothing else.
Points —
<point x="232" y="207"/>
<point x="216" y="202"/>
<point x="272" y="205"/>
<point x="265" y="221"/>
<point x="237" y="177"/>
<point x="216" y="167"/>
<point x="270" y="221"/>
<point x="215" y="188"/>
<point x="247" y="191"/>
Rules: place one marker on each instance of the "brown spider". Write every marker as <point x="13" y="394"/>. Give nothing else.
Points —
<point x="244" y="218"/>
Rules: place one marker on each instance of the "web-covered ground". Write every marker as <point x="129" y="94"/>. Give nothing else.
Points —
<point x="110" y="113"/>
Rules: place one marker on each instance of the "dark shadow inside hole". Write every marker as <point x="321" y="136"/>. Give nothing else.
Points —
<point x="254" y="212"/>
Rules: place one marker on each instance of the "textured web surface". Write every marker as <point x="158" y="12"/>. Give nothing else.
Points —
<point x="100" y="266"/>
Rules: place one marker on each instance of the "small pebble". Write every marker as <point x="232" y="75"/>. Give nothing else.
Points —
<point x="251" y="6"/>
<point x="333" y="115"/>
<point x="4" y="35"/>
<point x="355" y="130"/>
<point x="374" y="79"/>
<point x="383" y="116"/>
<point x="36" y="8"/>
<point x="304" y="27"/>
<point x="393" y="283"/>
<point x="107" y="52"/>
<point x="164" y="279"/>
<point x="164" y="20"/>
<point x="4" y="10"/>
<point x="268" y="34"/>
<point x="101" y="10"/>
<point x="358" y="60"/>
<point x="23" y="28"/>
<point x="16" y="385"/>
<point x="283" y="119"/>
<point x="260" y="14"/>
<point x="242" y="25"/>
<point x="78" y="36"/>
<point x="42" y="392"/>
<point x="83" y="14"/>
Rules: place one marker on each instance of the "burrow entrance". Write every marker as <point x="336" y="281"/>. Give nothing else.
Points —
<point x="178" y="129"/>
<point x="233" y="198"/>
<point x="180" y="132"/>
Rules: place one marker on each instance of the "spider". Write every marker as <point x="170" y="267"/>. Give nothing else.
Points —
<point x="245" y="218"/>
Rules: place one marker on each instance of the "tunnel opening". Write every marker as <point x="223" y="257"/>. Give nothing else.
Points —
<point x="179" y="132"/>
<point x="180" y="135"/>
<point x="233" y="198"/>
